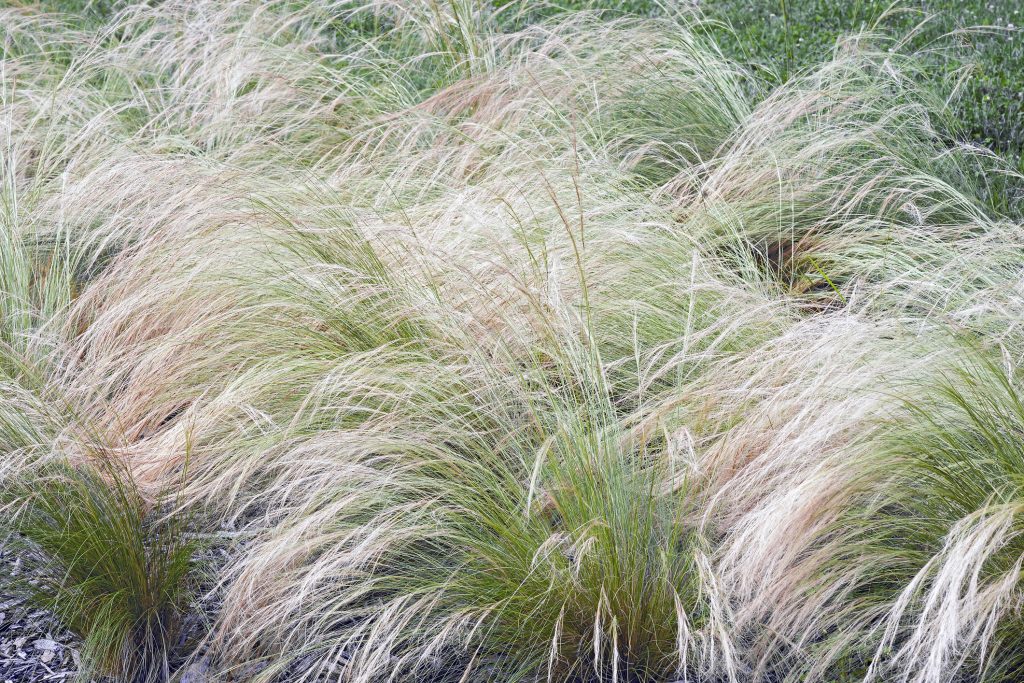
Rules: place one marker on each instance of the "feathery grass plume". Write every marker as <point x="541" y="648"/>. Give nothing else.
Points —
<point x="453" y="30"/>
<point x="682" y="102"/>
<point x="110" y="568"/>
<point x="785" y="431"/>
<point x="420" y="238"/>
<point x="546" y="543"/>
<point x="43" y="265"/>
<point x="837" y="177"/>
<point x="907" y="566"/>
<point x="948" y="538"/>
<point x="555" y="353"/>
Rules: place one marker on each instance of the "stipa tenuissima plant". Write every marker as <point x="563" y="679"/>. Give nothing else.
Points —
<point x="564" y="353"/>
<point x="112" y="569"/>
<point x="496" y="538"/>
<point x="915" y="575"/>
<point x="950" y="535"/>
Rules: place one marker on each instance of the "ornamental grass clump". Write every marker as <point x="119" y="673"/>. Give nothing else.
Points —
<point x="112" y="569"/>
<point x="490" y="350"/>
<point x="951" y="531"/>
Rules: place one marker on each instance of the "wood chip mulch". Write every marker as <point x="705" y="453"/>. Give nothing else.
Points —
<point x="33" y="647"/>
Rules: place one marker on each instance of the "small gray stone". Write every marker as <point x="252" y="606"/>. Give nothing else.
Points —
<point x="46" y="645"/>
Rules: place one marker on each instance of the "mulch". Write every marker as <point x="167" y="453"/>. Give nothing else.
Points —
<point x="33" y="646"/>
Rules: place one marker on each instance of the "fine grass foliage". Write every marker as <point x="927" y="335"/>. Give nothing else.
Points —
<point x="109" y="567"/>
<point x="503" y="344"/>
